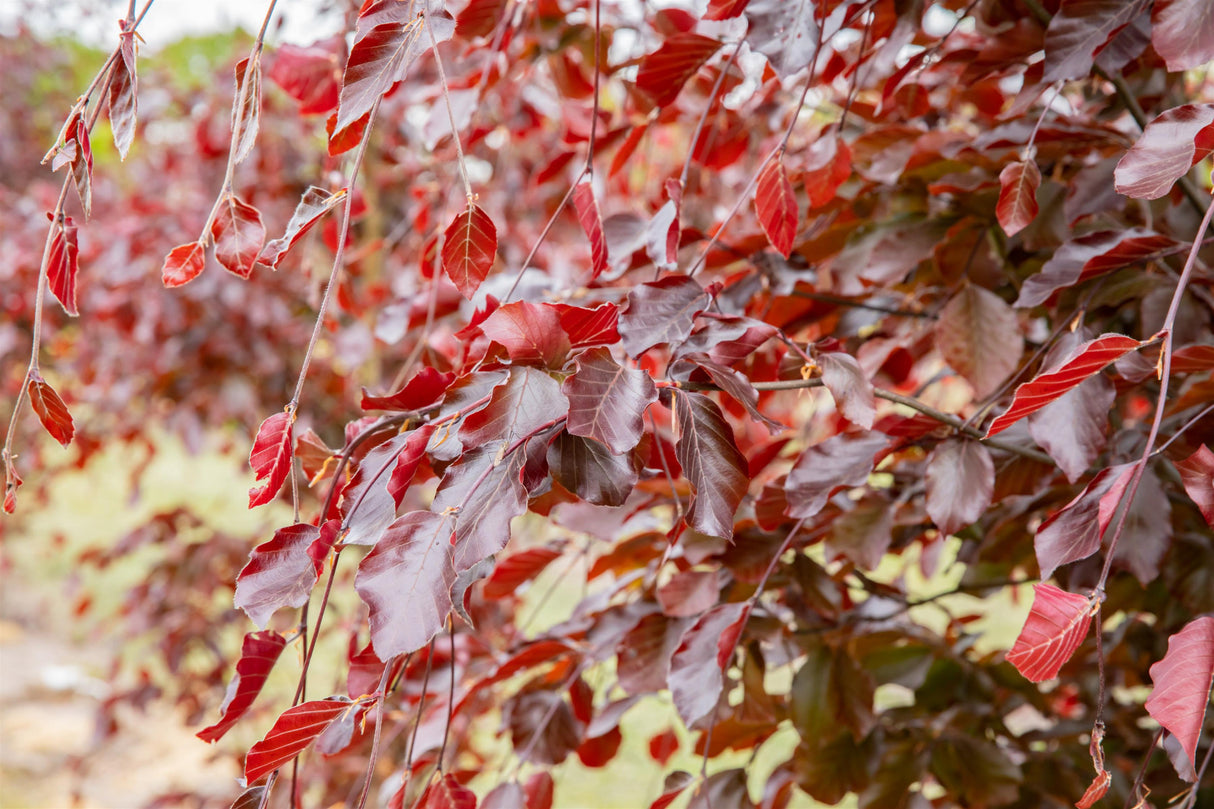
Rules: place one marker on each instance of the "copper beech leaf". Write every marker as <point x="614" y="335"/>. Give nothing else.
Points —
<point x="406" y="582"/>
<point x="590" y="327"/>
<point x="447" y="793"/>
<point x="12" y="482"/>
<point x="1079" y="31"/>
<point x="1072" y="427"/>
<point x="785" y="32"/>
<point x="662" y="233"/>
<point x="1197" y="474"/>
<point x="844" y="460"/>
<point x="592" y="224"/>
<point x="980" y="337"/>
<point x="423" y="389"/>
<point x="1090" y="256"/>
<point x="1182" y="681"/>
<point x="183" y="264"/>
<point x="1182" y="32"/>
<point x="314" y="204"/>
<point x="291" y="734"/>
<point x="483" y="496"/>
<point x="1056" y="625"/>
<point x="517" y="569"/>
<point x="246" y="108"/>
<point x="258" y="654"/>
<point x="238" y="234"/>
<point x="62" y="266"/>
<point x="530" y="332"/>
<point x="309" y="74"/>
<point x="1075" y="531"/>
<point x="697" y="667"/>
<point x="51" y="410"/>
<point x="1169" y="146"/>
<point x="777" y="206"/>
<point x="1095" y="791"/>
<point x="607" y="401"/>
<point x="270" y="456"/>
<point x="368" y="501"/>
<point x="960" y="481"/>
<point x="664" y="72"/>
<point x="1017" y="205"/>
<point x="469" y="247"/>
<point x="849" y="386"/>
<point x="590" y="470"/>
<point x="711" y="462"/>
<point x="1084" y="361"/>
<point x="282" y="571"/>
<point x="661" y="311"/>
<point x="724" y="9"/>
<point x="122" y="94"/>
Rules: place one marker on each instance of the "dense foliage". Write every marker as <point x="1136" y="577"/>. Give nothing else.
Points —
<point x="754" y="320"/>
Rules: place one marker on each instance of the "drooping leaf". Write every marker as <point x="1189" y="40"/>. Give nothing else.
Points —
<point x="447" y="793"/>
<point x="270" y="457"/>
<point x="368" y="502"/>
<point x="827" y="168"/>
<point x="1056" y="625"/>
<point x="844" y="460"/>
<point x="1148" y="527"/>
<point x="592" y="224"/>
<point x="62" y="266"/>
<point x="246" y="108"/>
<point x="250" y="798"/>
<point x="711" y="462"/>
<point x="12" y="482"/>
<point x="1090" y="256"/>
<point x="591" y="471"/>
<point x="607" y="401"/>
<point x="122" y="95"/>
<point x="785" y="32"/>
<point x="542" y="727"/>
<point x="258" y="654"/>
<point x="727" y="339"/>
<point x="469" y="246"/>
<point x="1197" y="474"/>
<point x="531" y="400"/>
<point x="664" y="72"/>
<point x="662" y="233"/>
<point x="1074" y="532"/>
<point x="960" y="481"/>
<point x="1192" y="359"/>
<point x="315" y="203"/>
<point x="1182" y="32"/>
<point x="297" y="728"/>
<point x="310" y="74"/>
<point x="1017" y="206"/>
<point x="1079" y="31"/>
<point x="281" y="572"/>
<point x="736" y="384"/>
<point x="777" y="207"/>
<point x="850" y="388"/>
<point x="659" y="312"/>
<point x="590" y="327"/>
<point x="1182" y="681"/>
<point x="507" y="795"/>
<point x="1169" y="146"/>
<point x="479" y="18"/>
<point x="183" y="264"/>
<point x="238" y="234"/>
<point x="863" y="534"/>
<point x="1072" y="428"/>
<point x="82" y="163"/>
<point x="51" y="410"/>
<point x="1085" y="360"/>
<point x="423" y="389"/>
<point x="979" y="336"/>
<point x="689" y="593"/>
<point x="406" y="582"/>
<point x="513" y="571"/>
<point x="696" y="669"/>
<point x="530" y="333"/>
<point x="484" y="496"/>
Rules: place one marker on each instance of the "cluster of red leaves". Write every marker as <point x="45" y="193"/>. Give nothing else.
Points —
<point x="735" y="356"/>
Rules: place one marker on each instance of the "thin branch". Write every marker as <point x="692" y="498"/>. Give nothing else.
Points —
<point x="379" y="721"/>
<point x="442" y="79"/>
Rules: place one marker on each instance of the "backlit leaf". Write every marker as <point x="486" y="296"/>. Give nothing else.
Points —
<point x="1090" y="256"/>
<point x="724" y="9"/>
<point x="122" y="95"/>
<point x="1169" y="146"/>
<point x="591" y="471"/>
<point x="1095" y="791"/>
<point x="406" y="582"/>
<point x="980" y="337"/>
<point x="479" y="18"/>
<point x="1075" y="531"/>
<point x="850" y="388"/>
<point x="696" y="669"/>
<point x="309" y="74"/>
<point x="513" y="571"/>
<point x="82" y="163"/>
<point x="844" y="460"/>
<point x="183" y="264"/>
<point x="1056" y="625"/>
<point x="423" y="389"/>
<point x="314" y="204"/>
<point x="447" y="793"/>
<point x="785" y="32"/>
<point x="258" y="654"/>
<point x="1182" y="681"/>
<point x="246" y="108"/>
<point x="664" y="72"/>
<point x="281" y="572"/>
<point x="1079" y="31"/>
<point x="1197" y="474"/>
<point x="659" y="312"/>
<point x="590" y="327"/>
<point x="12" y="482"/>
<point x="711" y="463"/>
<point x="1072" y="428"/>
<point x="1085" y="360"/>
<point x="292" y="733"/>
<point x="51" y="410"/>
<point x="592" y="224"/>
<point x="238" y="234"/>
<point x="960" y="480"/>
<point x="63" y="265"/>
<point x="1017" y="204"/>
<point x="1182" y="32"/>
<point x="370" y="498"/>
<point x="607" y="401"/>
<point x="737" y="385"/>
<point x="777" y="207"/>
<point x="270" y="457"/>
<point x="689" y="593"/>
<point x="469" y="246"/>
<point x="484" y="496"/>
<point x="530" y="332"/>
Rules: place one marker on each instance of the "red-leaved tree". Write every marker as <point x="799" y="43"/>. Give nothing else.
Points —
<point x="743" y="321"/>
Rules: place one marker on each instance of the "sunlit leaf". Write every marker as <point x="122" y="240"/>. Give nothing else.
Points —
<point x="270" y="457"/>
<point x="122" y="95"/>
<point x="447" y="793"/>
<point x="1197" y="474"/>
<point x="1182" y="32"/>
<point x="530" y="333"/>
<point x="314" y="204"/>
<point x="51" y="410"/>
<point x="592" y="224"/>
<point x="1182" y="681"/>
<point x="292" y="733"/>
<point x="777" y="207"/>
<point x="664" y="72"/>
<point x="282" y="571"/>
<point x="183" y="264"/>
<point x="424" y="388"/>
<point x="62" y="265"/>
<point x="309" y="74"/>
<point x="711" y="463"/>
<point x="238" y="234"/>
<point x="1056" y="625"/>
<point x="1017" y="204"/>
<point x="469" y="246"/>
<point x="785" y="32"/>
<point x="246" y="108"/>
<point x="258" y="654"/>
<point x="1169" y="146"/>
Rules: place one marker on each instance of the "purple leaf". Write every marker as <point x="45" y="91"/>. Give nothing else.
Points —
<point x="844" y="460"/>
<point x="737" y="385"/>
<point x="696" y="670"/>
<point x="711" y="463"/>
<point x="483" y="496"/>
<point x="1182" y="32"/>
<point x="1090" y="256"/>
<point x="863" y="534"/>
<point x="607" y="402"/>
<point x="315" y="203"/>
<point x="960" y="481"/>
<point x="661" y="312"/>
<point x="851" y="389"/>
<point x="1079" y="31"/>
<point x="979" y="336"/>
<point x="1074" y="532"/>
<point x="1072" y="428"/>
<point x="591" y="471"/>
<point x="1169" y="146"/>
<point x="529" y="401"/>
<point x="1197" y="474"/>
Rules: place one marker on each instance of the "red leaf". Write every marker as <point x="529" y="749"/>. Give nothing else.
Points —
<point x="960" y="481"/>
<point x="607" y="402"/>
<point x="724" y="9"/>
<point x="479" y="18"/>
<point x="844" y="460"/>
<point x="785" y="32"/>
<point x="590" y="470"/>
<point x="530" y="333"/>
<point x="12" y="482"/>
<point x="519" y="568"/>
<point x="1182" y="683"/>
<point x="664" y="72"/>
<point x="367" y="503"/>
<point x="828" y="166"/>
<point x="662" y="746"/>
<point x="51" y="410"/>
<point x="258" y="654"/>
<point x="1165" y="152"/>
<point x="425" y="388"/>
<point x="689" y="593"/>
<point x="82" y="163"/>
<point x="737" y="385"/>
<point x="291" y="735"/>
<point x="1182" y="32"/>
<point x="1079" y="31"/>
<point x="661" y="312"/>
<point x="1090" y="256"/>
<point x="183" y="264"/>
<point x="711" y="463"/>
<point x="979" y="336"/>
<point x="592" y="223"/>
<point x="1057" y="624"/>
<point x="310" y="74"/>
<point x="850" y="388"/>
<point x="406" y="582"/>
<point x="777" y="207"/>
<point x="539" y="791"/>
<point x="1017" y="204"/>
<point x="315" y="203"/>
<point x="122" y="94"/>
<point x="1192" y="359"/>
<point x="1087" y="359"/>
<point x="282" y="572"/>
<point x="1099" y="786"/>
<point x="627" y="148"/>
<point x="1074" y="532"/>
<point x="270" y="457"/>
<point x="447" y="793"/>
<point x="1197" y="474"/>
<point x="246" y="116"/>
<point x="696" y="676"/>
<point x="63" y="265"/>
<point x="238" y="235"/>
<point x="590" y="327"/>
<point x="469" y="247"/>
